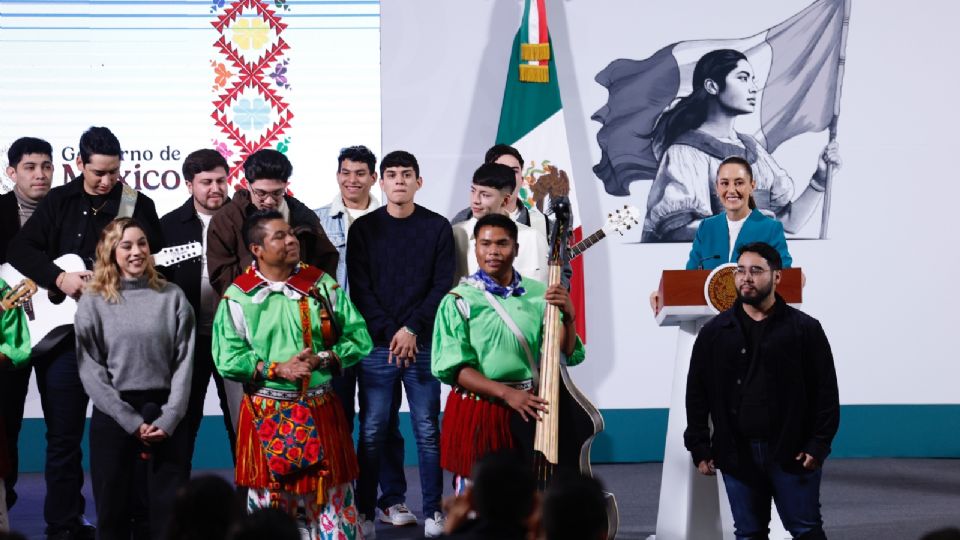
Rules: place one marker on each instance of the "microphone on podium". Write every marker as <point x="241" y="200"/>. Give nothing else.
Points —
<point x="150" y="412"/>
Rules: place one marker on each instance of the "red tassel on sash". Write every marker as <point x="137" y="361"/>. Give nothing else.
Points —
<point x="472" y="428"/>
<point x="339" y="464"/>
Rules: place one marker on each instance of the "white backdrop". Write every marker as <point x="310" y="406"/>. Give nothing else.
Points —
<point x="144" y="70"/>
<point x="882" y="285"/>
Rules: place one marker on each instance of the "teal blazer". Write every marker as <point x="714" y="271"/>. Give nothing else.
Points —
<point x="711" y="245"/>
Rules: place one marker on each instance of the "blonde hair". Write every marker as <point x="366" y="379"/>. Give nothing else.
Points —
<point x="106" y="271"/>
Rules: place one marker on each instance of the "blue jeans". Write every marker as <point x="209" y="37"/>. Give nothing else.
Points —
<point x="393" y="482"/>
<point x="377" y="381"/>
<point x="796" y="494"/>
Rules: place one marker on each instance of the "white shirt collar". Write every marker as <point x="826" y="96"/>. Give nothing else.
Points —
<point x="337" y="207"/>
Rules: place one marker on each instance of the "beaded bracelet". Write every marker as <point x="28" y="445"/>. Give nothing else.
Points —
<point x="270" y="371"/>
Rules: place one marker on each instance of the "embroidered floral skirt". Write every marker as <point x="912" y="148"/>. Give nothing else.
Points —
<point x="336" y="519"/>
<point x="338" y="465"/>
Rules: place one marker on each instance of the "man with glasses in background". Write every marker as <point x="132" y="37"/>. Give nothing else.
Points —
<point x="762" y="371"/>
<point x="268" y="174"/>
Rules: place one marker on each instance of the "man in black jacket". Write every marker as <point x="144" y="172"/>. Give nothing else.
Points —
<point x="205" y="172"/>
<point x="763" y="373"/>
<point x="69" y="220"/>
<point x="30" y="166"/>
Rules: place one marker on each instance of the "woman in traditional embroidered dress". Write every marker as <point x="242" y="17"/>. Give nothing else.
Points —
<point x="135" y="337"/>
<point x="697" y="133"/>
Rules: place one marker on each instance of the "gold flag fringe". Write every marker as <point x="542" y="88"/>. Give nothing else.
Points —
<point x="534" y="51"/>
<point x="534" y="73"/>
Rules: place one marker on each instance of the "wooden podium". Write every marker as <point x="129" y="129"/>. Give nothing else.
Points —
<point x="693" y="506"/>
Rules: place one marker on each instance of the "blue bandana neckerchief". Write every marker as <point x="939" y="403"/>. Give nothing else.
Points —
<point x="492" y="287"/>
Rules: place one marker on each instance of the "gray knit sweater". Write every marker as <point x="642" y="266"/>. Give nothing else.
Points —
<point x="144" y="342"/>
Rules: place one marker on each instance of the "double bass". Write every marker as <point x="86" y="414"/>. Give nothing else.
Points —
<point x="563" y="436"/>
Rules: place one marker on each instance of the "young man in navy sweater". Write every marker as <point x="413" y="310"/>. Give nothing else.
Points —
<point x="400" y="263"/>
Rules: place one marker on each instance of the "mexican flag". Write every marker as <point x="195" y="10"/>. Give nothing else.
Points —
<point x="531" y="120"/>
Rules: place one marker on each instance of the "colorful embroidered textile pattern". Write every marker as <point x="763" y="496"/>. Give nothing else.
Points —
<point x="334" y="520"/>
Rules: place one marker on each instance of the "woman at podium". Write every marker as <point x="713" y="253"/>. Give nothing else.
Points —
<point x="719" y="237"/>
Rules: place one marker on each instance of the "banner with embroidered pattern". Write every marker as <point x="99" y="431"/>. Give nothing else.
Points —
<point x="251" y="107"/>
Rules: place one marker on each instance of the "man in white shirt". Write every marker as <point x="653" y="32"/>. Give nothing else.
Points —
<point x="356" y="176"/>
<point x="493" y="185"/>
<point x="517" y="211"/>
<point x="205" y="172"/>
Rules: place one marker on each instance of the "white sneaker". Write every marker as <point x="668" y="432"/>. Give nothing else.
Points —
<point x="367" y="528"/>
<point x="398" y="515"/>
<point x="433" y="527"/>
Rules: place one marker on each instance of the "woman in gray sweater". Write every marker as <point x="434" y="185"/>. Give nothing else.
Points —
<point x="135" y="337"/>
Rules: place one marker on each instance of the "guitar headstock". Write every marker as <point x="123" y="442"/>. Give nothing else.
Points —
<point x="18" y="295"/>
<point x="174" y="254"/>
<point x="622" y="219"/>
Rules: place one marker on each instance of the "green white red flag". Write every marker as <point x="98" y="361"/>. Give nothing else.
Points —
<point x="531" y="120"/>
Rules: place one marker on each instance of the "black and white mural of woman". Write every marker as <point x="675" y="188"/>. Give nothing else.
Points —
<point x="671" y="117"/>
<point x="692" y="137"/>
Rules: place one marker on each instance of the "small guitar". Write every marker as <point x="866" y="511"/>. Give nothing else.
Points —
<point x="618" y="221"/>
<point x="50" y="315"/>
<point x="18" y="295"/>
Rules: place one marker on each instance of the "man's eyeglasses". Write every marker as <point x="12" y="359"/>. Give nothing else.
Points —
<point x="754" y="271"/>
<point x="275" y="195"/>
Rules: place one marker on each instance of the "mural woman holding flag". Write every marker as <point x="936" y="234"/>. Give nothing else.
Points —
<point x="670" y="118"/>
<point x="697" y="133"/>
